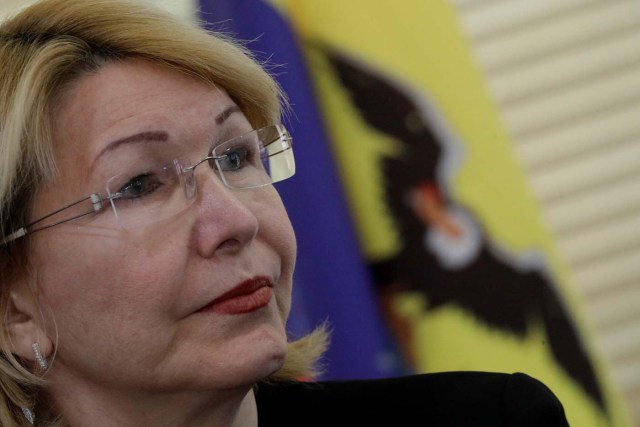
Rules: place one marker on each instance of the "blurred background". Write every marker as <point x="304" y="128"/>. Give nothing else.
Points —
<point x="468" y="186"/>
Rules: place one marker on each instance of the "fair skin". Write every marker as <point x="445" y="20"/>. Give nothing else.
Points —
<point x="133" y="346"/>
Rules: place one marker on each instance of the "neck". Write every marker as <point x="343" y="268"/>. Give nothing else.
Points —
<point x="97" y="408"/>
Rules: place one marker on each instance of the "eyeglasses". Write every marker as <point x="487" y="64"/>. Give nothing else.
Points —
<point x="150" y="194"/>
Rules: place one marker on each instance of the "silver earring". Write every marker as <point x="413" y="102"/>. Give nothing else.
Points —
<point x="41" y="360"/>
<point x="28" y="414"/>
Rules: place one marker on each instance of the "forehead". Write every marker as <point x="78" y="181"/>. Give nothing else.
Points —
<point x="125" y="97"/>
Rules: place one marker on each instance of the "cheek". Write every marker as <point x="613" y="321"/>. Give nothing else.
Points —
<point x="278" y="221"/>
<point x="280" y="236"/>
<point x="285" y="241"/>
<point x="278" y="232"/>
<point x="78" y="277"/>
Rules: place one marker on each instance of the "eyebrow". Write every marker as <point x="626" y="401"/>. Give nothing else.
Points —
<point x="220" y="118"/>
<point x="136" y="138"/>
<point x="160" y="136"/>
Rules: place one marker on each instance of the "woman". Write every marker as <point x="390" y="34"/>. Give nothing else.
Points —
<point x="147" y="259"/>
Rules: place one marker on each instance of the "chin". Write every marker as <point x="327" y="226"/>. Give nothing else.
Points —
<point x="266" y="353"/>
<point x="274" y="366"/>
<point x="274" y="353"/>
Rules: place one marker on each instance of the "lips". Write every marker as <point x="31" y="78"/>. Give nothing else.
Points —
<point x="248" y="296"/>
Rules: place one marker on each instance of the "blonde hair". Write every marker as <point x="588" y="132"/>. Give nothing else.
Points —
<point x="50" y="45"/>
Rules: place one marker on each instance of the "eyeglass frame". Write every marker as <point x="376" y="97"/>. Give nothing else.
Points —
<point x="99" y="201"/>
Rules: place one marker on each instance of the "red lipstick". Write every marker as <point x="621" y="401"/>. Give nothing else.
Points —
<point x="246" y="297"/>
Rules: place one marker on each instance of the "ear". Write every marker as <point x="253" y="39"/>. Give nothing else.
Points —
<point x="24" y="324"/>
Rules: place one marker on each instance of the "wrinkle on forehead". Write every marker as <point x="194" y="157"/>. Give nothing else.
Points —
<point x="110" y="103"/>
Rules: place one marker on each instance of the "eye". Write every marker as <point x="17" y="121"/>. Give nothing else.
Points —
<point x="234" y="159"/>
<point x="140" y="186"/>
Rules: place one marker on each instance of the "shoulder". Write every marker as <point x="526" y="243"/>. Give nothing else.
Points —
<point x="528" y="402"/>
<point x="448" y="398"/>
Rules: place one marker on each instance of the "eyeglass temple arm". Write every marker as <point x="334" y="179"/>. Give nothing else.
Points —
<point x="96" y="200"/>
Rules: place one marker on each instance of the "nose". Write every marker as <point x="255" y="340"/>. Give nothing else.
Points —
<point x="225" y="223"/>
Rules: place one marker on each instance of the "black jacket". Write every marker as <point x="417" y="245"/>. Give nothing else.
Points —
<point x="433" y="400"/>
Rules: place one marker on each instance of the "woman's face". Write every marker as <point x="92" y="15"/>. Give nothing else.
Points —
<point x="153" y="307"/>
